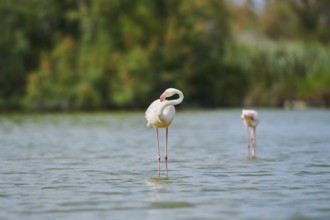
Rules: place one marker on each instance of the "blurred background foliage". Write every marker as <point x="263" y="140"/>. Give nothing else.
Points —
<point x="116" y="54"/>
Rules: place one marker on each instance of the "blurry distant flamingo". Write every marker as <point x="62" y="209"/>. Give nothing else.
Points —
<point x="251" y="120"/>
<point x="160" y="114"/>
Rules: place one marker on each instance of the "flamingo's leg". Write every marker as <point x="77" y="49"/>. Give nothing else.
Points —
<point x="254" y="147"/>
<point x="166" y="151"/>
<point x="158" y="155"/>
<point x="248" y="140"/>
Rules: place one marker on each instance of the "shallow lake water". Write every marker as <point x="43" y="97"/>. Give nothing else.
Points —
<point x="104" y="166"/>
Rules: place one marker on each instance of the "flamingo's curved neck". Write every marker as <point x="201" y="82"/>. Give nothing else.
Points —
<point x="170" y="102"/>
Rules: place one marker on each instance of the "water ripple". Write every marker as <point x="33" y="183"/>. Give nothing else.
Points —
<point x="103" y="166"/>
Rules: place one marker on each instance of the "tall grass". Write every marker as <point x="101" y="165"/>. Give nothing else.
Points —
<point x="277" y="73"/>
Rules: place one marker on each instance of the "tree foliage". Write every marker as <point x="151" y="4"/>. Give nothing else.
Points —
<point x="306" y="20"/>
<point x="124" y="51"/>
<point x="101" y="54"/>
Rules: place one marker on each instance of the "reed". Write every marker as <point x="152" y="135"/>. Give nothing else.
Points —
<point x="278" y="72"/>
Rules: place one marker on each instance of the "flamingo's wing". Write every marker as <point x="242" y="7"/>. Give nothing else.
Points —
<point x="250" y="117"/>
<point x="151" y="113"/>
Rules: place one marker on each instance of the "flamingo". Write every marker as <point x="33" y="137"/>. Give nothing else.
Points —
<point x="160" y="114"/>
<point x="251" y="120"/>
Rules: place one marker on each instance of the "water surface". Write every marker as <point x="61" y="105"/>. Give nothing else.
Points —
<point x="103" y="166"/>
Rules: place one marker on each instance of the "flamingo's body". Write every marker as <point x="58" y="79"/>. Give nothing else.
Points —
<point x="159" y="121"/>
<point x="160" y="114"/>
<point x="251" y="120"/>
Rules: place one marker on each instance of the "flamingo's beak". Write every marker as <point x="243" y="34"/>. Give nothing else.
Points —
<point x="162" y="97"/>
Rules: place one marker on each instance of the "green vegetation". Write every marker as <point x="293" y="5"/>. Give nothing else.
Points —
<point x="275" y="74"/>
<point x="101" y="54"/>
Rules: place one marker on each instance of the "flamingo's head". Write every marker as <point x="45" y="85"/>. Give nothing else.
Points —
<point x="168" y="93"/>
<point x="162" y="97"/>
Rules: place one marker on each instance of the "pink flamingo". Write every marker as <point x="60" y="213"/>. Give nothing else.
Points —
<point x="160" y="114"/>
<point x="251" y="120"/>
